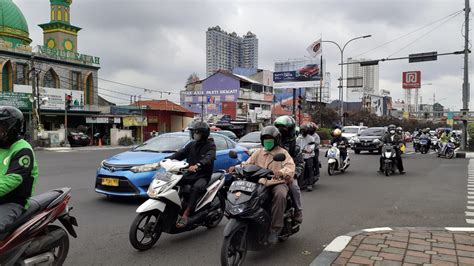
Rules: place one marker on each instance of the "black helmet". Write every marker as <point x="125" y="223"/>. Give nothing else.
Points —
<point x="271" y="131"/>
<point x="286" y="125"/>
<point x="11" y="125"/>
<point x="305" y="129"/>
<point x="199" y="127"/>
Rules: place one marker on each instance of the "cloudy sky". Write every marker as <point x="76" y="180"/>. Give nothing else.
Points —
<point x="157" y="44"/>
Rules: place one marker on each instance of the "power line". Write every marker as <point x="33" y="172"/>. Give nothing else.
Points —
<point x="407" y="34"/>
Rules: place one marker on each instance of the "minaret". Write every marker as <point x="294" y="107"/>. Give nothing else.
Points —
<point x="59" y="33"/>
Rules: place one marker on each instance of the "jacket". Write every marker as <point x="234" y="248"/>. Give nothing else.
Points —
<point x="295" y="153"/>
<point x="340" y="141"/>
<point x="264" y="159"/>
<point x="198" y="152"/>
<point x="18" y="173"/>
<point x="307" y="145"/>
<point x="397" y="139"/>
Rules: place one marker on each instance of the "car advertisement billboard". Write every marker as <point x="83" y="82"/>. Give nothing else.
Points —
<point x="297" y="73"/>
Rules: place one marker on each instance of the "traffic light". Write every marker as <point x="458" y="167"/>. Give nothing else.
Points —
<point x="68" y="102"/>
<point x="300" y="102"/>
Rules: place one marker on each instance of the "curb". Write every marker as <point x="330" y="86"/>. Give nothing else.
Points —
<point x="334" y="249"/>
<point x="464" y="154"/>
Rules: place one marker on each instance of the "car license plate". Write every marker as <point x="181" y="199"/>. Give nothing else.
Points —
<point x="241" y="185"/>
<point x="111" y="182"/>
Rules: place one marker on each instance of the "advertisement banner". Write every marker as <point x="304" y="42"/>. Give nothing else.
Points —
<point x="134" y="121"/>
<point x="411" y="80"/>
<point x="298" y="73"/>
<point x="16" y="99"/>
<point x="54" y="99"/>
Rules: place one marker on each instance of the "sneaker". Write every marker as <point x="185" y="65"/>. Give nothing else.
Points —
<point x="309" y="188"/>
<point x="402" y="172"/>
<point x="298" y="217"/>
<point x="273" y="236"/>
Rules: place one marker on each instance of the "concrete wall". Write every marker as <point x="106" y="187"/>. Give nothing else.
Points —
<point x="116" y="134"/>
<point x="179" y="123"/>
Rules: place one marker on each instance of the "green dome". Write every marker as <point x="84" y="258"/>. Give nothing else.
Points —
<point x="13" y="26"/>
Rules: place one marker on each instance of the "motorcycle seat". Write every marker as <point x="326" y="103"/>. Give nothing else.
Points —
<point x="215" y="177"/>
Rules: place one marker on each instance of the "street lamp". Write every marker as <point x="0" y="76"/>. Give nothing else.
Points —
<point x="341" y="81"/>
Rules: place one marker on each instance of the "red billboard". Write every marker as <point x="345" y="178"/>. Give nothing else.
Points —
<point x="411" y="80"/>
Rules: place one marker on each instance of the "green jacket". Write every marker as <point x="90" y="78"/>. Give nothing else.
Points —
<point x="18" y="173"/>
<point x="445" y="137"/>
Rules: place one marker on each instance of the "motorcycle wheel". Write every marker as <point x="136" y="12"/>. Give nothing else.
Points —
<point x="450" y="154"/>
<point x="331" y="169"/>
<point x="387" y="169"/>
<point x="217" y="219"/>
<point x="61" y="250"/>
<point x="234" y="247"/>
<point x="142" y="229"/>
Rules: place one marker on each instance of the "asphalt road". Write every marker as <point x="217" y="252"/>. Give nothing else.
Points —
<point x="432" y="193"/>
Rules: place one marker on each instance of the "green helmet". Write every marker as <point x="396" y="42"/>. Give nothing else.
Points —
<point x="286" y="125"/>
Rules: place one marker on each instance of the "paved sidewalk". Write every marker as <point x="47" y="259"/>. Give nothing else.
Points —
<point x="85" y="148"/>
<point x="401" y="246"/>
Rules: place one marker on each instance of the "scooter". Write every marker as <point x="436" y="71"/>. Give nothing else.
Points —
<point x="33" y="239"/>
<point x="434" y="143"/>
<point x="424" y="145"/>
<point x="447" y="151"/>
<point x="416" y="143"/>
<point x="389" y="156"/>
<point x="334" y="160"/>
<point x="159" y="214"/>
<point x="248" y="208"/>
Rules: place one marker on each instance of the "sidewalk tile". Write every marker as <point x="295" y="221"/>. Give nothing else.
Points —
<point x="465" y="247"/>
<point x="466" y="260"/>
<point x="369" y="247"/>
<point x="361" y="260"/>
<point x="378" y="236"/>
<point x="373" y="241"/>
<point x="390" y="256"/>
<point x="418" y="247"/>
<point x="444" y="239"/>
<point x="396" y="244"/>
<point x="409" y="264"/>
<point x="416" y="260"/>
<point x="388" y="263"/>
<point x="417" y="254"/>
<point x="398" y="238"/>
<point x="394" y="250"/>
<point x="346" y="254"/>
<point x="418" y="241"/>
<point x="442" y="263"/>
<point x="365" y="253"/>
<point x="420" y="235"/>
<point x="340" y="261"/>
<point x="444" y="251"/>
<point x="350" y="248"/>
<point x="465" y="253"/>
<point x="444" y="257"/>
<point x="443" y="245"/>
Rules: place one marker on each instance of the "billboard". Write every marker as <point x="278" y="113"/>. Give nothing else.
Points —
<point x="56" y="97"/>
<point x="16" y="99"/>
<point x="297" y="73"/>
<point x="411" y="80"/>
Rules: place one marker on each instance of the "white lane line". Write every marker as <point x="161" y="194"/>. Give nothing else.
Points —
<point x="470" y="221"/>
<point x="469" y="213"/>
<point x="339" y="244"/>
<point x="470" y="202"/>
<point x="470" y="207"/>
<point x="470" y="197"/>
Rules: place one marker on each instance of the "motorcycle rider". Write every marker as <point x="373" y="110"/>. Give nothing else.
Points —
<point x="395" y="139"/>
<point x="287" y="127"/>
<point x="426" y="134"/>
<point x="200" y="153"/>
<point x="341" y="142"/>
<point x="317" y="142"/>
<point x="284" y="172"/>
<point x="306" y="142"/>
<point x="444" y="139"/>
<point x="19" y="170"/>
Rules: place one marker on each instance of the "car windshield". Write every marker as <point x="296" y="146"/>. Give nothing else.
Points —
<point x="229" y="134"/>
<point x="373" y="132"/>
<point x="253" y="137"/>
<point x="350" y="130"/>
<point x="165" y="143"/>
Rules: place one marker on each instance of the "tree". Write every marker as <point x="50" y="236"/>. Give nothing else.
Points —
<point x="192" y="78"/>
<point x="329" y="117"/>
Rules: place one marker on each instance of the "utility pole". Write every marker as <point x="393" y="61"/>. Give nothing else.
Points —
<point x="321" y="70"/>
<point x="34" y="111"/>
<point x="294" y="103"/>
<point x="465" y="87"/>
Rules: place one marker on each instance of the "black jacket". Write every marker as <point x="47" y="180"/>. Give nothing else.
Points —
<point x="202" y="152"/>
<point x="397" y="139"/>
<point x="295" y="152"/>
<point x="340" y="141"/>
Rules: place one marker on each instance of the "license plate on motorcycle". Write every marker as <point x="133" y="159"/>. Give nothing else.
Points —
<point x="244" y="186"/>
<point x="111" y="182"/>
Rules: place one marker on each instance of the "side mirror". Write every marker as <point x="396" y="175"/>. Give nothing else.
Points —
<point x="233" y="154"/>
<point x="280" y="157"/>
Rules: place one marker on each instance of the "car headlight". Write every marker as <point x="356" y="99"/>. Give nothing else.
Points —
<point x="145" y="168"/>
<point x="102" y="163"/>
<point x="356" y="140"/>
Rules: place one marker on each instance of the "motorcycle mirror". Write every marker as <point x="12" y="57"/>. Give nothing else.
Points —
<point x="233" y="154"/>
<point x="280" y="157"/>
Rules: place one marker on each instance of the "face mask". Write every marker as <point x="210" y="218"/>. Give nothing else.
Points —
<point x="197" y="136"/>
<point x="268" y="144"/>
<point x="392" y="132"/>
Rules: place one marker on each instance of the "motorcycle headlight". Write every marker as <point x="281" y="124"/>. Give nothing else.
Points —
<point x="236" y="209"/>
<point x="145" y="168"/>
<point x="156" y="187"/>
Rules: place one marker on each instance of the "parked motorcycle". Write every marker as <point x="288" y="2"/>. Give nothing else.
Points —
<point x="424" y="145"/>
<point x="447" y="151"/>
<point x="33" y="239"/>
<point x="335" y="162"/>
<point x="248" y="208"/>
<point x="389" y="156"/>
<point x="159" y="214"/>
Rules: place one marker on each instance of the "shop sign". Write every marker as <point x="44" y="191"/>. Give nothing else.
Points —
<point x="62" y="54"/>
<point x="56" y="98"/>
<point x="134" y="121"/>
<point x="18" y="100"/>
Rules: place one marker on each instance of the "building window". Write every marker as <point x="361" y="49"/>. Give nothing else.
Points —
<point x="21" y="74"/>
<point x="76" y="80"/>
<point x="50" y="79"/>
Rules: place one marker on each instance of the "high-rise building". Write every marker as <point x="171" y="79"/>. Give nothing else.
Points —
<point x="370" y="80"/>
<point x="228" y="50"/>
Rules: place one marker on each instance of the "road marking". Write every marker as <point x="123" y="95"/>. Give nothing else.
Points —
<point x="338" y="244"/>
<point x="470" y="193"/>
<point x="460" y="229"/>
<point x="469" y="213"/>
<point x="470" y="207"/>
<point x="470" y="221"/>
<point x="378" y="229"/>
